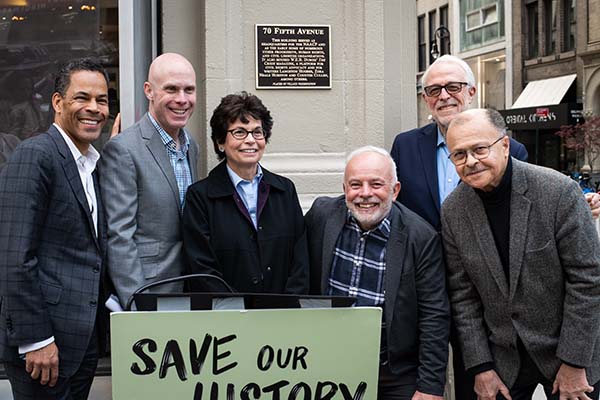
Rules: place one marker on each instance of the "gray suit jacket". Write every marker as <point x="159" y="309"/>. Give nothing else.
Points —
<point x="52" y="258"/>
<point x="142" y="207"/>
<point x="417" y="313"/>
<point x="553" y="299"/>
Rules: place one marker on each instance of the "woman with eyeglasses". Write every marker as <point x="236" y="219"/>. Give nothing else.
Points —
<point x="244" y="223"/>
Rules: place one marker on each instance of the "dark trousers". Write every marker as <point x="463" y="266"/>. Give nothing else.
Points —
<point x="396" y="387"/>
<point x="77" y="387"/>
<point x="530" y="376"/>
<point x="464" y="383"/>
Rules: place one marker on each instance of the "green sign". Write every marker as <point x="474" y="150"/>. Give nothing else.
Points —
<point x="316" y="354"/>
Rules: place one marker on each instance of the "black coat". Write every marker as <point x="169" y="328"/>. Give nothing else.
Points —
<point x="416" y="312"/>
<point x="219" y="237"/>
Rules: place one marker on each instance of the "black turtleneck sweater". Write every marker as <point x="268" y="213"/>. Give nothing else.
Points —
<point x="497" y="208"/>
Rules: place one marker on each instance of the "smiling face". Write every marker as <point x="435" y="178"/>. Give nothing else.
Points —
<point x="369" y="188"/>
<point x="83" y="109"/>
<point x="243" y="155"/>
<point x="471" y="130"/>
<point x="171" y="92"/>
<point x="446" y="106"/>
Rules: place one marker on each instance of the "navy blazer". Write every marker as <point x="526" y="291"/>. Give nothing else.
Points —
<point x="52" y="258"/>
<point x="416" y="163"/>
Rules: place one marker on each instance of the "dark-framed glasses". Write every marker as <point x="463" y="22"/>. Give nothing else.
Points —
<point x="241" y="133"/>
<point x="459" y="157"/>
<point x="451" y="88"/>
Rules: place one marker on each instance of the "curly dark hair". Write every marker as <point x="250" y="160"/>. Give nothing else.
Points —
<point x="63" y="77"/>
<point x="233" y="107"/>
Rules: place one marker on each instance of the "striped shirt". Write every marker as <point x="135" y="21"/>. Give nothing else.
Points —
<point x="358" y="265"/>
<point x="177" y="157"/>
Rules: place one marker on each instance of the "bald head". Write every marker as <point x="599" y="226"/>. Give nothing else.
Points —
<point x="167" y="62"/>
<point x="171" y="92"/>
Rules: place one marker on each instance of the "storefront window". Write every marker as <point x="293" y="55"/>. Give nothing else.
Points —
<point x="36" y="38"/>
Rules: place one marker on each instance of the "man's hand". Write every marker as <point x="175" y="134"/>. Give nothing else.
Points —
<point x="593" y="200"/>
<point x="488" y="384"/>
<point x="116" y="128"/>
<point x="571" y="383"/>
<point x="43" y="364"/>
<point x="424" y="396"/>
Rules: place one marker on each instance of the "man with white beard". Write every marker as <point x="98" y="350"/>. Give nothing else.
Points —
<point x="366" y="245"/>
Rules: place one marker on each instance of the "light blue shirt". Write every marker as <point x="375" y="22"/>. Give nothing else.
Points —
<point x="248" y="191"/>
<point x="446" y="172"/>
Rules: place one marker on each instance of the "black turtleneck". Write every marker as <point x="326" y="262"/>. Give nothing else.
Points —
<point x="497" y="208"/>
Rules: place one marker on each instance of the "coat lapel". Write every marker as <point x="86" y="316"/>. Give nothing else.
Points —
<point x="193" y="158"/>
<point x="72" y="175"/>
<point x="480" y="229"/>
<point x="157" y="149"/>
<point x="427" y="142"/>
<point x="520" y="207"/>
<point x="395" y="251"/>
<point x="332" y="230"/>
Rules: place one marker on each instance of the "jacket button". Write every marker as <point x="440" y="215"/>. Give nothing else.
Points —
<point x="255" y="281"/>
<point x="93" y="303"/>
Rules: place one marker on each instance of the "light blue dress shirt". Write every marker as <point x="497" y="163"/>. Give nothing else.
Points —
<point x="447" y="176"/>
<point x="248" y="191"/>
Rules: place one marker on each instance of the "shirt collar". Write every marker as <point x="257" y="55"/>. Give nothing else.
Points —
<point x="90" y="159"/>
<point x="441" y="141"/>
<point x="383" y="228"/>
<point x="235" y="178"/>
<point x="167" y="140"/>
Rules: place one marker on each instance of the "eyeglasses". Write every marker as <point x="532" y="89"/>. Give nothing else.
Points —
<point x="459" y="157"/>
<point x="241" y="133"/>
<point x="451" y="88"/>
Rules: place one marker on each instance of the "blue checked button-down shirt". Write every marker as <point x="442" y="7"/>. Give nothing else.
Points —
<point x="178" y="158"/>
<point x="358" y="265"/>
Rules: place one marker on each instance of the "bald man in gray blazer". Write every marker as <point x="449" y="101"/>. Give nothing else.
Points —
<point x="523" y="261"/>
<point x="145" y="173"/>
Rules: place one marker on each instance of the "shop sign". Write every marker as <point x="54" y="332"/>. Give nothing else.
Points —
<point x="550" y="117"/>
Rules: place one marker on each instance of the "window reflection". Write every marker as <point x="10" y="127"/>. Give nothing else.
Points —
<point x="36" y="38"/>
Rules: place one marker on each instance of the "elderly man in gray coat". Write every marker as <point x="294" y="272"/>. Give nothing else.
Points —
<point x="523" y="263"/>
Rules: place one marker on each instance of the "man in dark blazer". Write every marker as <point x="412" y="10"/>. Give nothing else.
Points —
<point x="421" y="154"/>
<point x="145" y="173"/>
<point x="365" y="244"/>
<point x="523" y="261"/>
<point x="53" y="244"/>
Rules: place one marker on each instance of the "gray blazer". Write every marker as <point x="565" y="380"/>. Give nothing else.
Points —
<point x="553" y="300"/>
<point x="417" y="313"/>
<point x="143" y="211"/>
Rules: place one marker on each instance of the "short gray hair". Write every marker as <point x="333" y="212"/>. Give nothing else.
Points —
<point x="447" y="58"/>
<point x="380" y="151"/>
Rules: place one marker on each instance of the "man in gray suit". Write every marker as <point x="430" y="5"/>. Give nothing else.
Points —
<point x="523" y="263"/>
<point x="145" y="172"/>
<point x="365" y="244"/>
